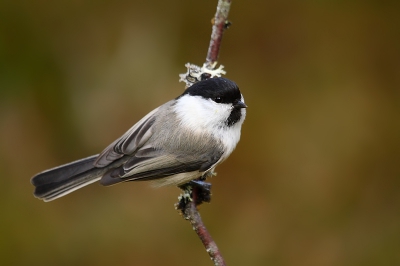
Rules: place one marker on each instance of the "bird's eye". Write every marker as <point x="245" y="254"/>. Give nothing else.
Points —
<point x="218" y="99"/>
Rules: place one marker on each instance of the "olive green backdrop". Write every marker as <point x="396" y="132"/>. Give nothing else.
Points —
<point x="315" y="179"/>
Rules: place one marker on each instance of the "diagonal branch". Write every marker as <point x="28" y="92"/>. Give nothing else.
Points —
<point x="220" y="23"/>
<point x="194" y="194"/>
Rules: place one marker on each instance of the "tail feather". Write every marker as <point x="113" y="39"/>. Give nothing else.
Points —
<point x="62" y="180"/>
<point x="63" y="172"/>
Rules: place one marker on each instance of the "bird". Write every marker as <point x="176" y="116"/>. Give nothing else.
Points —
<point x="179" y="141"/>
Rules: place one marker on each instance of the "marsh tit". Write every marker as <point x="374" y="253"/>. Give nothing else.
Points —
<point x="182" y="140"/>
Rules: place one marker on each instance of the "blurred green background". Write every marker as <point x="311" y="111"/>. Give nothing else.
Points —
<point x="315" y="179"/>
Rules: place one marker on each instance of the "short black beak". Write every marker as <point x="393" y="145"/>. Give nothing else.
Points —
<point x="240" y="104"/>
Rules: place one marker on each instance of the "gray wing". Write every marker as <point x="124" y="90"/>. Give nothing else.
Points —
<point x="150" y="164"/>
<point x="128" y="143"/>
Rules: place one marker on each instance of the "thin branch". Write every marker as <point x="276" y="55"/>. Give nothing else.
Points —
<point x="196" y="73"/>
<point x="188" y="202"/>
<point x="195" y="194"/>
<point x="220" y="23"/>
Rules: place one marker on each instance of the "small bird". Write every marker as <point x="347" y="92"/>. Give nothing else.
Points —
<point x="182" y="140"/>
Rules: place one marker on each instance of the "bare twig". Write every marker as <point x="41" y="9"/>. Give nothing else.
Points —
<point x="208" y="70"/>
<point x="220" y="23"/>
<point x="188" y="202"/>
<point x="194" y="195"/>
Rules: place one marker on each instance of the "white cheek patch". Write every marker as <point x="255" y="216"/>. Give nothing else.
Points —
<point x="206" y="116"/>
<point x="199" y="114"/>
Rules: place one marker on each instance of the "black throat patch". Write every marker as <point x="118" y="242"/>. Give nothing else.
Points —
<point x="234" y="117"/>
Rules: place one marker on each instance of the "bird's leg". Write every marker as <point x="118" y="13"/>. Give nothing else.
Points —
<point x="202" y="191"/>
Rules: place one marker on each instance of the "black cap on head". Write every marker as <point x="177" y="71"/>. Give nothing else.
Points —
<point x="218" y="89"/>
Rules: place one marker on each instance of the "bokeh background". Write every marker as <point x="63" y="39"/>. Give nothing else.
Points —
<point x="315" y="179"/>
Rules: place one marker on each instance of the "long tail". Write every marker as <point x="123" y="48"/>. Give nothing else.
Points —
<point x="64" y="179"/>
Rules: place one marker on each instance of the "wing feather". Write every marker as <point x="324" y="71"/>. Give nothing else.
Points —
<point x="128" y="143"/>
<point x="158" y="165"/>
